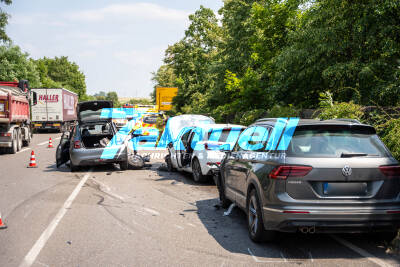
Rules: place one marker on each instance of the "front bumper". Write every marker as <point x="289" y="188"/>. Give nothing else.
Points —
<point x="332" y="220"/>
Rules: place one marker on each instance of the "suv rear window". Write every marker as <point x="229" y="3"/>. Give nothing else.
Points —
<point x="332" y="141"/>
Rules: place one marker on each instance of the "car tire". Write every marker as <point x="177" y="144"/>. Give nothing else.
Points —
<point x="73" y="167"/>
<point x="255" y="224"/>
<point x="14" y="146"/>
<point x="224" y="201"/>
<point x="124" y="165"/>
<point x="19" y="143"/>
<point x="196" y="171"/>
<point x="168" y="161"/>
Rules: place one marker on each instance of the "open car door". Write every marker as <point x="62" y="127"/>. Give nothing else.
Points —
<point x="62" y="153"/>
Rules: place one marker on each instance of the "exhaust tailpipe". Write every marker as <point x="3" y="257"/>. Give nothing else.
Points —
<point x="311" y="230"/>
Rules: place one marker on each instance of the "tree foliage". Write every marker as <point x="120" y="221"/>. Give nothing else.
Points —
<point x="60" y="72"/>
<point x="16" y="65"/>
<point x="4" y="21"/>
<point x="269" y="55"/>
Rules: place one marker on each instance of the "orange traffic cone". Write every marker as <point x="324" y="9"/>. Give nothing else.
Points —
<point x="32" y="163"/>
<point x="2" y="225"/>
<point x="50" y="143"/>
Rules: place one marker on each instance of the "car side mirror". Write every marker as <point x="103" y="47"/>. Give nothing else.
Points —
<point x="34" y="98"/>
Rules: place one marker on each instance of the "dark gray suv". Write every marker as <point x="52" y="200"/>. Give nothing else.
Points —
<point x="312" y="176"/>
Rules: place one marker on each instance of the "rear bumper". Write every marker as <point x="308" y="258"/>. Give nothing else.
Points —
<point x="47" y="125"/>
<point x="5" y="144"/>
<point x="5" y="141"/>
<point x="333" y="220"/>
<point x="93" y="157"/>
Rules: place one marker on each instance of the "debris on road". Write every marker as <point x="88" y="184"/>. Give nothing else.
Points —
<point x="2" y="225"/>
<point x="228" y="212"/>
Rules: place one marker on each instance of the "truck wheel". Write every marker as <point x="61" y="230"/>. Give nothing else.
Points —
<point x="28" y="137"/>
<point x="14" y="146"/>
<point x="19" y="143"/>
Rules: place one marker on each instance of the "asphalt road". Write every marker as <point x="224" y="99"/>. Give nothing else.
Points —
<point x="149" y="217"/>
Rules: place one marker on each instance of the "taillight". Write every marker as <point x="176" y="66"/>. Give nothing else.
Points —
<point x="77" y="144"/>
<point x="5" y="134"/>
<point x="390" y="171"/>
<point x="283" y="172"/>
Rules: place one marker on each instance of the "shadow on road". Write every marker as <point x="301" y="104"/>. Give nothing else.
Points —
<point x="231" y="233"/>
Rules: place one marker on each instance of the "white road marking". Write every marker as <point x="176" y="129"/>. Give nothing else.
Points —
<point x="41" y="242"/>
<point x="154" y="212"/>
<point x="361" y="251"/>
<point x="25" y="149"/>
<point x="261" y="261"/>
<point x="191" y="224"/>
<point x="44" y="143"/>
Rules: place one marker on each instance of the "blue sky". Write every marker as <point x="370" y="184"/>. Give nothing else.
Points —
<point x="116" y="43"/>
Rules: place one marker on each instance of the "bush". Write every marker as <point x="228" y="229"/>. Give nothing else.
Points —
<point x="390" y="134"/>
<point x="341" y="111"/>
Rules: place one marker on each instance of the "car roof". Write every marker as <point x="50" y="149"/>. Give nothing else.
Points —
<point x="272" y="121"/>
<point x="219" y="126"/>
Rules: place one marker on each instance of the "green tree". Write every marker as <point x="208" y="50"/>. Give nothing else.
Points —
<point x="62" y="73"/>
<point x="164" y="77"/>
<point x="16" y="65"/>
<point x="348" y="47"/>
<point x="192" y="60"/>
<point x="113" y="96"/>
<point x="4" y="21"/>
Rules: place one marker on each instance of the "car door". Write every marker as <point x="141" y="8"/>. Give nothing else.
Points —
<point x="62" y="152"/>
<point x="182" y="151"/>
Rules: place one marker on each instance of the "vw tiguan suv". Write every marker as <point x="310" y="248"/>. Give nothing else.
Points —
<point x="312" y="176"/>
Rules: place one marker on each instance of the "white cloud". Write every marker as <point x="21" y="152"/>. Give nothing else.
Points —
<point x="137" y="11"/>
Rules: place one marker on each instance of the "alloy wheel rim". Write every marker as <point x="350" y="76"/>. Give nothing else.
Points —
<point x="253" y="217"/>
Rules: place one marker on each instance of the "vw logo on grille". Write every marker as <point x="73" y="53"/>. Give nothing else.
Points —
<point x="347" y="171"/>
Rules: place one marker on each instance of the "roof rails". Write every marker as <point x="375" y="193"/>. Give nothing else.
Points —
<point x="348" y="120"/>
<point x="266" y="119"/>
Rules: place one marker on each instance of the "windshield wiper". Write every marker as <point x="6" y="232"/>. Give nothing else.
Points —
<point x="351" y="155"/>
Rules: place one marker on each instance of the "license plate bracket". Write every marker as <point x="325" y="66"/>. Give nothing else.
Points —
<point x="345" y="189"/>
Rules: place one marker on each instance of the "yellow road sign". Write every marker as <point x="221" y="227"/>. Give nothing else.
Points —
<point x="164" y="97"/>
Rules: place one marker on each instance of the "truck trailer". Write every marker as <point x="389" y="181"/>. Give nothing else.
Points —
<point x="55" y="109"/>
<point x="15" y="122"/>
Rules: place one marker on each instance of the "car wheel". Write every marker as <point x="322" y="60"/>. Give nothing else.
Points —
<point x="225" y="202"/>
<point x="255" y="224"/>
<point x="73" y="167"/>
<point x="196" y="170"/>
<point x="14" y="146"/>
<point x="168" y="161"/>
<point x="124" y="165"/>
<point x="19" y="143"/>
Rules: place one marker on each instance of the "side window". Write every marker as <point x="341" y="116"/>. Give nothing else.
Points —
<point x="185" y="138"/>
<point x="253" y="139"/>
